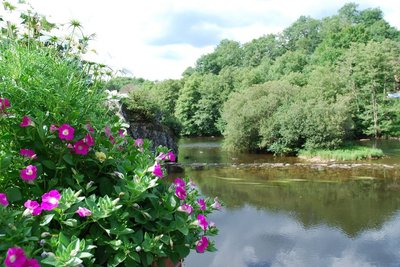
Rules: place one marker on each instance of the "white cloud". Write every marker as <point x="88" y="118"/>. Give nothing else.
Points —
<point x="125" y="29"/>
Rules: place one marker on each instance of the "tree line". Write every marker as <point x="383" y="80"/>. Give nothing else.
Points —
<point x="314" y="85"/>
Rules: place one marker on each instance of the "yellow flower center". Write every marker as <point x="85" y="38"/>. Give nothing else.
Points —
<point x="13" y="258"/>
<point x="65" y="132"/>
<point x="29" y="172"/>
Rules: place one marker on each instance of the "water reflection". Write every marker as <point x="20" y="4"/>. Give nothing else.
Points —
<point x="255" y="238"/>
<point x="297" y="216"/>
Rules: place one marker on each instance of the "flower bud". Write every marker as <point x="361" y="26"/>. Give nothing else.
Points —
<point x="115" y="201"/>
<point x="122" y="194"/>
<point x="74" y="252"/>
<point x="42" y="242"/>
<point x="136" y="206"/>
<point x="78" y="193"/>
<point x="138" y="249"/>
<point x="45" y="234"/>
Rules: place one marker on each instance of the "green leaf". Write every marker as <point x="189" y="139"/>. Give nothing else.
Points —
<point x="120" y="257"/>
<point x="5" y="162"/>
<point x="182" y="250"/>
<point x="138" y="237"/>
<point x="49" y="164"/>
<point x="71" y="222"/>
<point x="68" y="159"/>
<point x="47" y="219"/>
<point x="13" y="194"/>
<point x="134" y="256"/>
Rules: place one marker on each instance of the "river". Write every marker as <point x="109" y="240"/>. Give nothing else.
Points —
<point x="293" y="214"/>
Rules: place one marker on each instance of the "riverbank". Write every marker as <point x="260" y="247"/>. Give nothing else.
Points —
<point x="347" y="153"/>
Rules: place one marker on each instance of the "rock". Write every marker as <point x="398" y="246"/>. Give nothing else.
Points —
<point x="159" y="134"/>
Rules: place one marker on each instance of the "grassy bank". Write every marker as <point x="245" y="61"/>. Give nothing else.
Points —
<point x="352" y="152"/>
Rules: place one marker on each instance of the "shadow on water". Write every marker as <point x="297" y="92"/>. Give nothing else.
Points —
<point x="298" y="216"/>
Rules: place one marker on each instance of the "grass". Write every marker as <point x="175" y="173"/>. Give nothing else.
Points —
<point x="352" y="152"/>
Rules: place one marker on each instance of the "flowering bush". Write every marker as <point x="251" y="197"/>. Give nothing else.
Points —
<point x="85" y="194"/>
<point x="74" y="189"/>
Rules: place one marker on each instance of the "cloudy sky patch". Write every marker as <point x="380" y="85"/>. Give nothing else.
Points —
<point x="158" y="39"/>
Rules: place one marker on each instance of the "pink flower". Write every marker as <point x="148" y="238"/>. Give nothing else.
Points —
<point x="89" y="140"/>
<point x="192" y="185"/>
<point x="29" y="173"/>
<point x="26" y="121"/>
<point x="15" y="257"/>
<point x="201" y="220"/>
<point x="66" y="132"/>
<point x="50" y="200"/>
<point x="33" y="207"/>
<point x="139" y="142"/>
<point x="4" y="103"/>
<point x="202" y="244"/>
<point x="186" y="208"/>
<point x="3" y="199"/>
<point x="81" y="148"/>
<point x="201" y="203"/>
<point x="89" y="128"/>
<point x="180" y="192"/>
<point x="121" y="132"/>
<point x="29" y="153"/>
<point x="216" y="205"/>
<point x="83" y="212"/>
<point x="179" y="182"/>
<point x="156" y="170"/>
<point x="171" y="156"/>
<point x="53" y="128"/>
<point x="107" y="131"/>
<point x="31" y="263"/>
<point x="161" y="156"/>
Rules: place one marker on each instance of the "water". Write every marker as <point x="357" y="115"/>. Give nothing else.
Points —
<point x="297" y="216"/>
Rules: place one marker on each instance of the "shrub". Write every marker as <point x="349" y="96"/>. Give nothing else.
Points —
<point x="74" y="189"/>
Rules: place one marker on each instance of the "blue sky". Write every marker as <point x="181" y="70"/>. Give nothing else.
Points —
<point x="159" y="39"/>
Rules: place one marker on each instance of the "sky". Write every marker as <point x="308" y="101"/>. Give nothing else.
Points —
<point x="159" y="39"/>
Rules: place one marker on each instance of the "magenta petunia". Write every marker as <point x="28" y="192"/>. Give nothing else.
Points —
<point x="186" y="208"/>
<point x="81" y="148"/>
<point x="107" y="131"/>
<point x="121" y="132"/>
<point x="171" y="156"/>
<point x="179" y="182"/>
<point x="202" y="204"/>
<point x="202" y="222"/>
<point x="33" y="207"/>
<point x="83" y="212"/>
<point x="89" y="140"/>
<point x="216" y="205"/>
<point x="53" y="128"/>
<point x="29" y="173"/>
<point x="50" y="200"/>
<point x="15" y="257"/>
<point x="156" y="170"/>
<point x="180" y="192"/>
<point x="161" y="156"/>
<point x="31" y="263"/>
<point x="202" y="244"/>
<point x="29" y="153"/>
<point x="66" y="132"/>
<point x="139" y="142"/>
<point x="89" y="128"/>
<point x="4" y="103"/>
<point x="3" y="199"/>
<point x="26" y="121"/>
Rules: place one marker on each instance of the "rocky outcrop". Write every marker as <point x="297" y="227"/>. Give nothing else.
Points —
<point x="159" y="134"/>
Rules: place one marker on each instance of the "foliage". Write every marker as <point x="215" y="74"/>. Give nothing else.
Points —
<point x="74" y="189"/>
<point x="343" y="65"/>
<point x="349" y="152"/>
